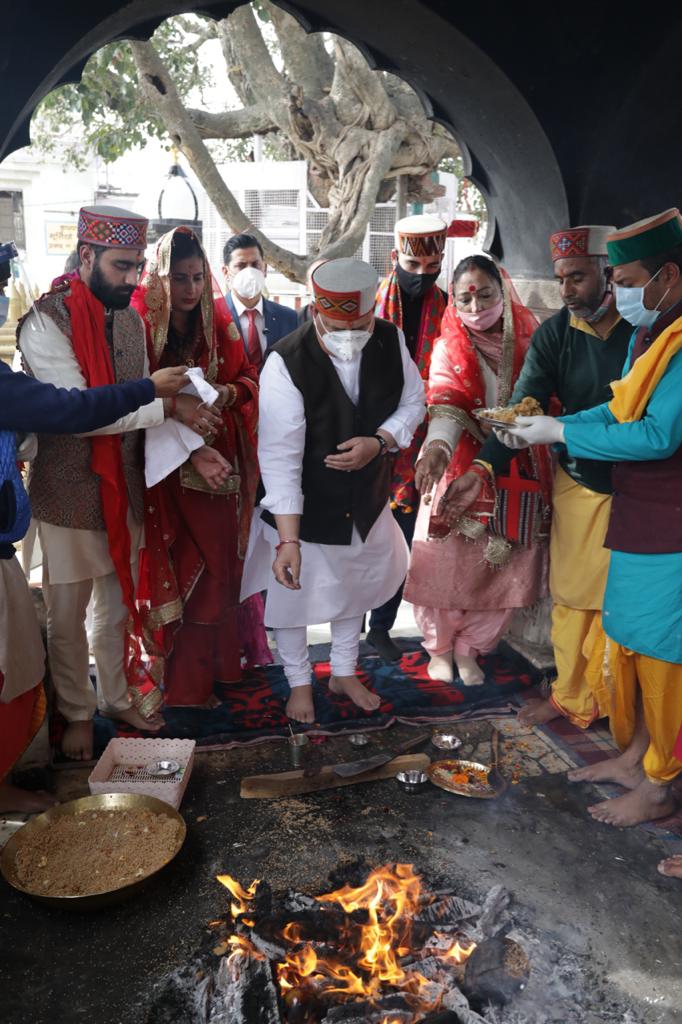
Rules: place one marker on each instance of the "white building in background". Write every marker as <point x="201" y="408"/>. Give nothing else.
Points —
<point x="39" y="203"/>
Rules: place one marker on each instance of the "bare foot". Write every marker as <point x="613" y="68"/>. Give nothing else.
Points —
<point x="133" y="717"/>
<point x="24" y="801"/>
<point x="355" y="691"/>
<point x="300" y="704"/>
<point x="469" y="670"/>
<point x="537" y="712"/>
<point x="645" y="803"/>
<point x="77" y="741"/>
<point x="671" y="866"/>
<point x="623" y="770"/>
<point x="440" y="667"/>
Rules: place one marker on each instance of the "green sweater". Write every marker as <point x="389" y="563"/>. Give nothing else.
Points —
<point x="577" y="367"/>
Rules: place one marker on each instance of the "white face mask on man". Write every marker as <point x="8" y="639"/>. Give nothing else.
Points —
<point x="344" y="345"/>
<point x="248" y="283"/>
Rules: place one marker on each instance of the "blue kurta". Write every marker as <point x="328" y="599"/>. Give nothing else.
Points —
<point x="643" y="599"/>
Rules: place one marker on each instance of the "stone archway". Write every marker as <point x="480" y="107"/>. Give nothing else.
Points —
<point x="506" y="152"/>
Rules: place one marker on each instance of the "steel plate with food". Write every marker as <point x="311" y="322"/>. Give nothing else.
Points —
<point x="90" y="852"/>
<point x="466" y="778"/>
<point x="505" y="416"/>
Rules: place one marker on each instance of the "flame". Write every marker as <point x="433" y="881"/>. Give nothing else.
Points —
<point x="241" y="946"/>
<point x="457" y="953"/>
<point x="368" y="962"/>
<point x="242" y="896"/>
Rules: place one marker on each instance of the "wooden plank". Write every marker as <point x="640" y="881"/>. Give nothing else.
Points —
<point x="294" y="783"/>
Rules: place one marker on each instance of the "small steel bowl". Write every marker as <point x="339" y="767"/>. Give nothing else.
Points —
<point x="358" y="739"/>
<point x="163" y="768"/>
<point x="446" y="740"/>
<point x="412" y="781"/>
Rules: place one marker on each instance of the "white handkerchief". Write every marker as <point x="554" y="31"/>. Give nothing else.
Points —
<point x="170" y="444"/>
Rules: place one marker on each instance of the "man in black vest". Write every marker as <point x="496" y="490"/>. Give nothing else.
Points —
<point x="338" y="396"/>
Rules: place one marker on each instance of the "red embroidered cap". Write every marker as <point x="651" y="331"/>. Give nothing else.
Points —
<point x="112" y="227"/>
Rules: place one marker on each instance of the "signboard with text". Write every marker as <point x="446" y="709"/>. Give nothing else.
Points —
<point x="60" y="238"/>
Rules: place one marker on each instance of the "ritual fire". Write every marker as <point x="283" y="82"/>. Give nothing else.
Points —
<point x="387" y="951"/>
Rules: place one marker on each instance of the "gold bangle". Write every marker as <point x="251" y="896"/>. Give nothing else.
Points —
<point x="485" y="465"/>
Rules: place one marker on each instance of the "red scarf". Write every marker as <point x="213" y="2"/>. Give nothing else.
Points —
<point x="389" y="307"/>
<point x="92" y="352"/>
<point x="90" y="347"/>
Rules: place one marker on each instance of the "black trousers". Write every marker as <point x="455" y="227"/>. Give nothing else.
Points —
<point x="383" y="618"/>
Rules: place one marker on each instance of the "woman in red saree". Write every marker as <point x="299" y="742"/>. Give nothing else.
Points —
<point x="466" y="579"/>
<point x="196" y="535"/>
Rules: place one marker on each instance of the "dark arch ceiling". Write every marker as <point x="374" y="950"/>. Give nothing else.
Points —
<point x="564" y="114"/>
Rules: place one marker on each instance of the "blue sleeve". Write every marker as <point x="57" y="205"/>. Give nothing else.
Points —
<point x="597" y="414"/>
<point x="656" y="436"/>
<point x="31" y="406"/>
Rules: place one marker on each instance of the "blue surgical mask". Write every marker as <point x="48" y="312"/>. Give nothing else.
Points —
<point x="630" y="304"/>
<point x="4" y="309"/>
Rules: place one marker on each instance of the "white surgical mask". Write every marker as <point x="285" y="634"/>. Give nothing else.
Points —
<point x="4" y="309"/>
<point x="344" y="344"/>
<point x="248" y="283"/>
<point x="630" y="304"/>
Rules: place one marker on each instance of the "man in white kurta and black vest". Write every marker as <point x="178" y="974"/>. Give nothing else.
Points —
<point x="87" y="491"/>
<point x="338" y="397"/>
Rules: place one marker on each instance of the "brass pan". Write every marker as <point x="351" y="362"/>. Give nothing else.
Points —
<point x="440" y="773"/>
<point x="104" y="802"/>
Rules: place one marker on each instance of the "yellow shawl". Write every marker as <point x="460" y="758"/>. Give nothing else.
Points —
<point x="632" y="393"/>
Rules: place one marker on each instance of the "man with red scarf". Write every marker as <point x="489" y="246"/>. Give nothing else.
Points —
<point x="410" y="299"/>
<point x="87" y="491"/>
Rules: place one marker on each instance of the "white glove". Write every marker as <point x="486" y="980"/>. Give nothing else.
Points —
<point x="537" y="429"/>
<point x="508" y="440"/>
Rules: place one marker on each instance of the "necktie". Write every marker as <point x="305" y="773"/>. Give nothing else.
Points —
<point x="253" y="341"/>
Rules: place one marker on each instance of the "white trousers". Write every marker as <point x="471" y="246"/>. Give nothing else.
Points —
<point x="67" y="645"/>
<point x="292" y="645"/>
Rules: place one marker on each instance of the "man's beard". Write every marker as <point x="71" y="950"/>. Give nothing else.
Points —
<point x="111" y="297"/>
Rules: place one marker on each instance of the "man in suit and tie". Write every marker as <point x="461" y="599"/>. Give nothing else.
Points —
<point x="260" y="321"/>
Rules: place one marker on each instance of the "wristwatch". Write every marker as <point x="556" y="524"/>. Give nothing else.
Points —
<point x="383" y="444"/>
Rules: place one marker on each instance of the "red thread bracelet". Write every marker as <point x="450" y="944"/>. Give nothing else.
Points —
<point x="283" y="542"/>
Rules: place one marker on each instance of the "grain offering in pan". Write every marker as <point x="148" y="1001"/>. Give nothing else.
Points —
<point x="96" y="851"/>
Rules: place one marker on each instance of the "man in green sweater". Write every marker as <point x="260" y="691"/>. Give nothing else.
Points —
<point x="573" y="356"/>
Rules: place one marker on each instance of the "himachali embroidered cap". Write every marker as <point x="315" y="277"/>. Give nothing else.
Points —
<point x="645" y="238"/>
<point x="586" y="240"/>
<point x="344" y="289"/>
<point x="112" y="227"/>
<point x="421" y="235"/>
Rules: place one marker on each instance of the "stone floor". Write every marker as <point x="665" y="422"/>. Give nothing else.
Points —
<point x="593" y="889"/>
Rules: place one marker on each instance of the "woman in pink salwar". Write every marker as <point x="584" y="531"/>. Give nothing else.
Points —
<point x="468" y="574"/>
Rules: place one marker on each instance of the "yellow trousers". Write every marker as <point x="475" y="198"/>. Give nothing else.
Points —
<point x="624" y="676"/>
<point x="578" y="568"/>
<point x="579" y="695"/>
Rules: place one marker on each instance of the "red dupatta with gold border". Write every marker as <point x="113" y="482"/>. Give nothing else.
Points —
<point x="219" y="351"/>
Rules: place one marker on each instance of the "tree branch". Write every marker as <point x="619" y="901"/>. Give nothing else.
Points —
<point x="161" y="92"/>
<point x="253" y="57"/>
<point x="234" y="124"/>
<point x="359" y="190"/>
<point x="367" y="85"/>
<point x="305" y="57"/>
<point x="203" y="34"/>
<point x="233" y="68"/>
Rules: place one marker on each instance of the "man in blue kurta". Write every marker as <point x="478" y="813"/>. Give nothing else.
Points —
<point x="640" y="430"/>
